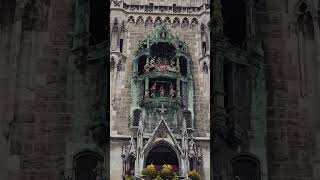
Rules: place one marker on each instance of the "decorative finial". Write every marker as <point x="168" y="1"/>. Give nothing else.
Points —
<point x="162" y="110"/>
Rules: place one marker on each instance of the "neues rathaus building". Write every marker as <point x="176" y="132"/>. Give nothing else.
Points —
<point x="100" y="89"/>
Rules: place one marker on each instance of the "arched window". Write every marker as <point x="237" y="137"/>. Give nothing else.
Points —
<point x="246" y="167"/>
<point x="185" y="23"/>
<point x="149" y="21"/>
<point x="158" y="21"/>
<point x="131" y="19"/>
<point x="139" y="21"/>
<point x="176" y="22"/>
<point x="194" y="23"/>
<point x="167" y="21"/>
<point x="305" y="51"/>
<point x="188" y="116"/>
<point x="85" y="165"/>
<point x="136" y="117"/>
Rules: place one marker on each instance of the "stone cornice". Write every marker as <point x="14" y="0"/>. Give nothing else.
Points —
<point x="168" y="10"/>
<point x="148" y="136"/>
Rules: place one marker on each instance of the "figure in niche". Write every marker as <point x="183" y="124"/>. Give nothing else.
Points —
<point x="146" y="67"/>
<point x="152" y="63"/>
<point x="153" y="89"/>
<point x="158" y="61"/>
<point x="205" y="67"/>
<point x="185" y="47"/>
<point x="199" y="153"/>
<point x="166" y="62"/>
<point x="172" y="91"/>
<point x="163" y="35"/>
<point x="172" y="63"/>
<point x="162" y="91"/>
<point x="191" y="149"/>
<point x="162" y="67"/>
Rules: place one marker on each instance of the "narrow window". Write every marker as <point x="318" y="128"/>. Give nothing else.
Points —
<point x="121" y="45"/>
<point x="204" y="48"/>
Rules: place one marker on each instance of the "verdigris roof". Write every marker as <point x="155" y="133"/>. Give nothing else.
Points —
<point x="164" y="34"/>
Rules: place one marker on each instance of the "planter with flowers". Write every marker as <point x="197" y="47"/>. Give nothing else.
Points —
<point x="128" y="177"/>
<point x="194" y="175"/>
<point x="166" y="172"/>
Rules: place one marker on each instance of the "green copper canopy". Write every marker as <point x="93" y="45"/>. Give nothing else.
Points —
<point x="163" y="34"/>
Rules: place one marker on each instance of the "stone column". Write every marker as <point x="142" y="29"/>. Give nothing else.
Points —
<point x="178" y="78"/>
<point x="146" y="87"/>
<point x="219" y="117"/>
<point x="258" y="122"/>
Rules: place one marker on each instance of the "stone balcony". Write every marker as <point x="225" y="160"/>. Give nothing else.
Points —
<point x="160" y="9"/>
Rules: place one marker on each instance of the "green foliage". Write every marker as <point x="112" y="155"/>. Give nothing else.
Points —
<point x="166" y="170"/>
<point x="194" y="175"/>
<point x="175" y="176"/>
<point x="150" y="171"/>
<point x="158" y="178"/>
<point x="128" y="177"/>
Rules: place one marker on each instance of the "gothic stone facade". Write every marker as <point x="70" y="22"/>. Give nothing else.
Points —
<point x="52" y="77"/>
<point x="147" y="34"/>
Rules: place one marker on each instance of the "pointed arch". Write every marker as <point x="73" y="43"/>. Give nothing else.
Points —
<point x="246" y="166"/>
<point x="157" y="21"/>
<point x="85" y="163"/>
<point x="149" y="21"/>
<point x="185" y="22"/>
<point x="194" y="22"/>
<point x="176" y="22"/>
<point x="167" y="21"/>
<point x="140" y="21"/>
<point x="303" y="33"/>
<point x="131" y="19"/>
<point x="161" y="143"/>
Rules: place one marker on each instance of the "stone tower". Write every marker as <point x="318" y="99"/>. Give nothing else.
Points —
<point x="160" y="86"/>
<point x="54" y="64"/>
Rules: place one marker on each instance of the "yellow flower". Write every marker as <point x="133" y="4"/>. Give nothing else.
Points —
<point x="194" y="175"/>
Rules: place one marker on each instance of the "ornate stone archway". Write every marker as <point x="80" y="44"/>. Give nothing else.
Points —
<point x="162" y="153"/>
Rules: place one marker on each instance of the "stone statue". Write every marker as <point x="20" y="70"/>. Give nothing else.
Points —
<point x="191" y="149"/>
<point x="153" y="89"/>
<point x="141" y="122"/>
<point x="152" y="63"/>
<point x="162" y="91"/>
<point x="147" y="67"/>
<point x="172" y="91"/>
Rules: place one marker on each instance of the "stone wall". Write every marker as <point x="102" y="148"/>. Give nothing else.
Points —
<point x="291" y="118"/>
<point x="37" y="54"/>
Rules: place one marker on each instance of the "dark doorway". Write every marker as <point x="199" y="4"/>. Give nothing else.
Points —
<point x="162" y="154"/>
<point x="85" y="164"/>
<point x="246" y="168"/>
